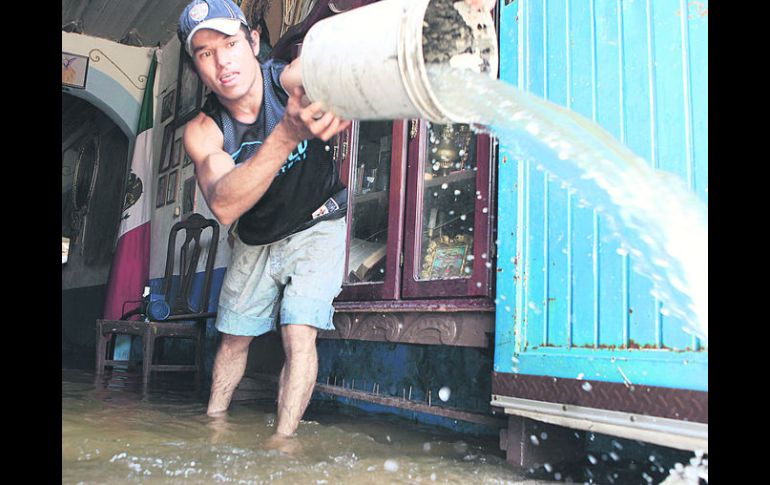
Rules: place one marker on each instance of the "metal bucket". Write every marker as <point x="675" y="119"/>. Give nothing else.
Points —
<point x="370" y="63"/>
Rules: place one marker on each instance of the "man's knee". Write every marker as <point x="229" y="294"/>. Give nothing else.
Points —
<point x="298" y="339"/>
<point x="235" y="343"/>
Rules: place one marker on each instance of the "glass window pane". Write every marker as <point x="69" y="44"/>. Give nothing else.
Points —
<point x="368" y="200"/>
<point x="449" y="200"/>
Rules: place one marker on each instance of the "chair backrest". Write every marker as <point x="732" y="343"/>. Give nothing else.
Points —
<point x="189" y="254"/>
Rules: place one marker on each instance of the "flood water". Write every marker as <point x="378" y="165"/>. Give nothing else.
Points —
<point x="657" y="218"/>
<point x="112" y="433"/>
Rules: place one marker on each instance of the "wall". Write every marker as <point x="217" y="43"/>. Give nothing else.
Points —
<point x="116" y="77"/>
<point x="115" y="85"/>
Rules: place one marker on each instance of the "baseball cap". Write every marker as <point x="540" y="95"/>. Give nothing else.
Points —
<point x="221" y="15"/>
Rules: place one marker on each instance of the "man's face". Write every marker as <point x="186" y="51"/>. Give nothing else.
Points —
<point x="226" y="64"/>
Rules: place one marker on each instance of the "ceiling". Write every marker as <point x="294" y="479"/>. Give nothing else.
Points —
<point x="144" y="23"/>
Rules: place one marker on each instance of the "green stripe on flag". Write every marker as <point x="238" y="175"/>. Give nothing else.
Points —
<point x="146" y="113"/>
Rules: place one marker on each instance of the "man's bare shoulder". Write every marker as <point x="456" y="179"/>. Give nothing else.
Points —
<point x="202" y="125"/>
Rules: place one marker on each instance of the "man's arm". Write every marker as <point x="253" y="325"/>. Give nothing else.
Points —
<point x="232" y="190"/>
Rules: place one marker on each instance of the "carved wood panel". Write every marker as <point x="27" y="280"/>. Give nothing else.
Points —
<point x="467" y="329"/>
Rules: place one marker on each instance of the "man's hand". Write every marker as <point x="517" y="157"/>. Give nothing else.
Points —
<point x="482" y="4"/>
<point x="305" y="121"/>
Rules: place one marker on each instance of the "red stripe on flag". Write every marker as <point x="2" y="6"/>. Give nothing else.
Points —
<point x="130" y="271"/>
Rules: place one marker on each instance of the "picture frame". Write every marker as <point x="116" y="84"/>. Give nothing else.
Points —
<point x="189" y="91"/>
<point x="160" y="192"/>
<point x="172" y="186"/>
<point x="74" y="70"/>
<point x="177" y="153"/>
<point x="167" y="107"/>
<point x="165" y="151"/>
<point x="445" y="259"/>
<point x="188" y="196"/>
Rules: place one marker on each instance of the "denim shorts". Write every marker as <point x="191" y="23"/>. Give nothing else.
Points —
<point x="296" y="277"/>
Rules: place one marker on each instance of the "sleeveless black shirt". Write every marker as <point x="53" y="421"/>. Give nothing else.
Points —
<point x="307" y="179"/>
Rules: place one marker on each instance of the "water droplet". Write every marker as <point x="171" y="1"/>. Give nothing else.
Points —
<point x="451" y="213"/>
<point x="580" y="376"/>
<point x="534" y="440"/>
<point x="436" y="167"/>
<point x="484" y="256"/>
<point x="457" y="192"/>
<point x="391" y="465"/>
<point x="327" y="148"/>
<point x="426" y="447"/>
<point x="463" y="217"/>
<point x="507" y="308"/>
<point x="470" y="257"/>
<point x="592" y="459"/>
<point x="532" y="128"/>
<point x="488" y="264"/>
<point x="432" y="477"/>
<point x="543" y="435"/>
<point x="586" y="386"/>
<point x="444" y="186"/>
<point x="614" y="456"/>
<point x="548" y="467"/>
<point x="478" y="284"/>
<point x="444" y="393"/>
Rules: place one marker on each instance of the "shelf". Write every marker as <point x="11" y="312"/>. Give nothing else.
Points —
<point x="380" y="196"/>
<point x="459" y="176"/>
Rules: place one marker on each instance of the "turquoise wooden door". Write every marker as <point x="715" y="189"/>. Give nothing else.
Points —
<point x="569" y="305"/>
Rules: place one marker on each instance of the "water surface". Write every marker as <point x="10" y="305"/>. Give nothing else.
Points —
<point x="113" y="433"/>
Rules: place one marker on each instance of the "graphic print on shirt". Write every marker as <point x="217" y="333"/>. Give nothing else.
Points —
<point x="248" y="149"/>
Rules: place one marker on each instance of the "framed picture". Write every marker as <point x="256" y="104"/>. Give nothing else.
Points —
<point x="189" y="91"/>
<point x="165" y="151"/>
<point x="171" y="189"/>
<point x="74" y="69"/>
<point x="188" y="196"/>
<point x="177" y="153"/>
<point x="445" y="259"/>
<point x="167" y="108"/>
<point x="160" y="193"/>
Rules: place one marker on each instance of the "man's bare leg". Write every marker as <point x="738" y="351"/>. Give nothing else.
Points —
<point x="229" y="366"/>
<point x="298" y="376"/>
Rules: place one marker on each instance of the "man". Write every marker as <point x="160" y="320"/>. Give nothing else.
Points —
<point x="261" y="162"/>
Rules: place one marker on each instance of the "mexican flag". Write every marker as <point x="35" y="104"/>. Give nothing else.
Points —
<point x="131" y="265"/>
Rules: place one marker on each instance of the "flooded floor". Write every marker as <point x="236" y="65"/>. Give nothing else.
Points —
<point x="113" y="433"/>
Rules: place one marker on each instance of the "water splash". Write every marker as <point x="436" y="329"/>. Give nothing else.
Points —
<point x="660" y="222"/>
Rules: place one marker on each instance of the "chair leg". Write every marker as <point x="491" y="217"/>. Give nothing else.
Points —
<point x="148" y="341"/>
<point x="199" y="354"/>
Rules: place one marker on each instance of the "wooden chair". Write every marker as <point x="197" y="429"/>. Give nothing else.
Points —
<point x="185" y="320"/>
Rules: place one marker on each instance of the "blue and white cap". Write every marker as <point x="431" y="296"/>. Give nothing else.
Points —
<point x="221" y="15"/>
